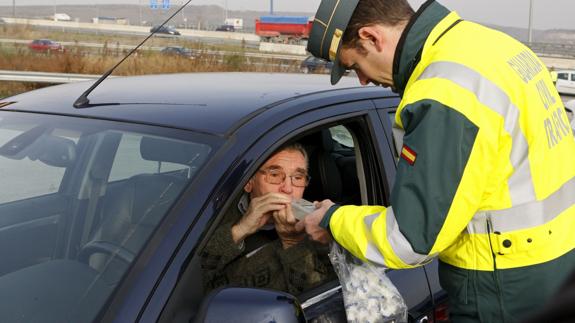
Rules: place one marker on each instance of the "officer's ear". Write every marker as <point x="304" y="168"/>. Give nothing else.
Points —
<point x="372" y="35"/>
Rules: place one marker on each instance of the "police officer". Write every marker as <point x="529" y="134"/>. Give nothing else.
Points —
<point x="553" y="74"/>
<point x="485" y="179"/>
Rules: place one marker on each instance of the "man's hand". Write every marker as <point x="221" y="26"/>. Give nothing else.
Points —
<point x="258" y="213"/>
<point x="312" y="220"/>
<point x="285" y="227"/>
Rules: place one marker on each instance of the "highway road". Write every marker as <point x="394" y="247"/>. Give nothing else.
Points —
<point x="557" y="55"/>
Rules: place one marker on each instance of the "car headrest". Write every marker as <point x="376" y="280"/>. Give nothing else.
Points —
<point x="321" y="139"/>
<point x="165" y="150"/>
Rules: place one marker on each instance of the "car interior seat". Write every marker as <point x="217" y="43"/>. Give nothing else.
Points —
<point x="333" y="172"/>
<point x="325" y="180"/>
<point x="132" y="210"/>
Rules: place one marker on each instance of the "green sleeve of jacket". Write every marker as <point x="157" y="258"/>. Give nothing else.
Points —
<point x="439" y="142"/>
<point x="423" y="193"/>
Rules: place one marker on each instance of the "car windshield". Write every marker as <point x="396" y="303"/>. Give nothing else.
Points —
<point x="79" y="198"/>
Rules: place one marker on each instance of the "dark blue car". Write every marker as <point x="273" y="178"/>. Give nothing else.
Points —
<point x="105" y="209"/>
<point x="315" y="65"/>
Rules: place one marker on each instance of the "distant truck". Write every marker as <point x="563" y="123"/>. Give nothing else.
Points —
<point x="283" y="29"/>
<point x="237" y="23"/>
<point x="62" y="17"/>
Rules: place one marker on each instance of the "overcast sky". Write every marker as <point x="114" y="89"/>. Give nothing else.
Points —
<point x="547" y="14"/>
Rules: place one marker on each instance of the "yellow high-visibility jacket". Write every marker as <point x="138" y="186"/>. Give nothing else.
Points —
<point x="486" y="178"/>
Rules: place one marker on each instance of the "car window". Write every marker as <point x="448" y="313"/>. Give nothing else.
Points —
<point x="337" y="172"/>
<point x="563" y="76"/>
<point x="573" y="77"/>
<point x="80" y="199"/>
<point x="27" y="177"/>
<point x="129" y="161"/>
<point x="333" y="166"/>
<point x="342" y="135"/>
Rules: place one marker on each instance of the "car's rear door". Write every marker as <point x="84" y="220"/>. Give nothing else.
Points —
<point x="252" y="145"/>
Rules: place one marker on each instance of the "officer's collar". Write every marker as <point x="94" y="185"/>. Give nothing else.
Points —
<point x="410" y="45"/>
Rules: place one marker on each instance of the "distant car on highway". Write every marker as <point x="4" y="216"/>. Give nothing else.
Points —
<point x="315" y="65"/>
<point x="170" y="30"/>
<point x="226" y="28"/>
<point x="45" y="45"/>
<point x="566" y="82"/>
<point x="178" y="51"/>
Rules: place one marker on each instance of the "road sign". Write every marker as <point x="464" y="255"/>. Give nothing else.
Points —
<point x="153" y="4"/>
<point x="165" y="4"/>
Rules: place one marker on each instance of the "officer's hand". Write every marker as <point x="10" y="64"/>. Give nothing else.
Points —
<point x="312" y="220"/>
<point x="285" y="227"/>
<point x="258" y="213"/>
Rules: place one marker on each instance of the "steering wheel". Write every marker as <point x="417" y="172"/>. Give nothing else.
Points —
<point x="107" y="248"/>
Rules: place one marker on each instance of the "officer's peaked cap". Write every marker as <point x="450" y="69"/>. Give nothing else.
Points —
<point x="330" y="22"/>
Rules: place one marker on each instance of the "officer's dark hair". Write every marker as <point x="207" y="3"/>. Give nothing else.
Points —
<point x="373" y="12"/>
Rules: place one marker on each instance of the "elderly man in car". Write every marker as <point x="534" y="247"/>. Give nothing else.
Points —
<point x="257" y="245"/>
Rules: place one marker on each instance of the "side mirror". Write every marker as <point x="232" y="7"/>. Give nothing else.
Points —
<point x="249" y="305"/>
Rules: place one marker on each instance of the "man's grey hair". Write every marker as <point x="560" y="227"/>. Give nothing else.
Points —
<point x="295" y="146"/>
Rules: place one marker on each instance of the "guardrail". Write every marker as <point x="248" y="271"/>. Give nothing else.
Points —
<point x="104" y="27"/>
<point x="44" y="77"/>
<point x="123" y="49"/>
<point x="553" y="49"/>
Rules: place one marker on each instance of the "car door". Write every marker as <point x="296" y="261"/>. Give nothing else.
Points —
<point x="179" y="299"/>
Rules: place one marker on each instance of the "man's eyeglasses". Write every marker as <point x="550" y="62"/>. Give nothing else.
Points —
<point x="278" y="176"/>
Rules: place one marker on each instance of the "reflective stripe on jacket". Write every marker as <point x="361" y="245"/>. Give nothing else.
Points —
<point x="487" y="177"/>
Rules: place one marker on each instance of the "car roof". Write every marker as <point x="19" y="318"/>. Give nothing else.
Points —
<point x="206" y="102"/>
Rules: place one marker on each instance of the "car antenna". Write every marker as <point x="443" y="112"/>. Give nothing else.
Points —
<point x="83" y="101"/>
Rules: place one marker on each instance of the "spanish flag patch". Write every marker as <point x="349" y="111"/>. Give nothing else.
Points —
<point x="408" y="154"/>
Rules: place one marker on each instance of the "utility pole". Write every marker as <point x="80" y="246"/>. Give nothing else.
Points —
<point x="529" y="37"/>
<point x="184" y="18"/>
<point x="13" y="8"/>
<point x="140" y="9"/>
<point x="271" y="7"/>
